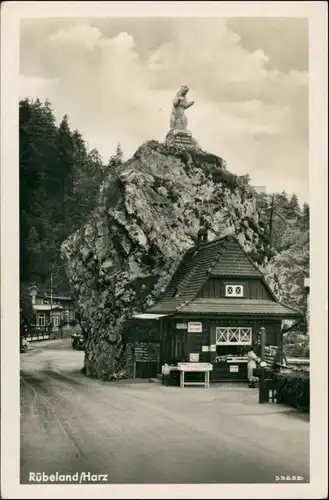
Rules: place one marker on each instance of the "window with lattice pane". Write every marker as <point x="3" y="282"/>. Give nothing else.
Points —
<point x="233" y="336"/>
<point x="234" y="291"/>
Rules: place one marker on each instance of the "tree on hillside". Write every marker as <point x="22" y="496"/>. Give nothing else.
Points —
<point x="304" y="221"/>
<point x="64" y="170"/>
<point x="116" y="159"/>
<point x="293" y="208"/>
<point x="26" y="309"/>
<point x="290" y="239"/>
<point x="37" y="154"/>
<point x="281" y="217"/>
<point x="59" y="183"/>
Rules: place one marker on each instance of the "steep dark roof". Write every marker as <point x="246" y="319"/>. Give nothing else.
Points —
<point x="226" y="306"/>
<point x="234" y="262"/>
<point x="193" y="270"/>
<point x="238" y="306"/>
<point x="221" y="257"/>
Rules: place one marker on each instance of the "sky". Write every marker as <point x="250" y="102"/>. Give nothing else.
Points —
<point x="116" y="78"/>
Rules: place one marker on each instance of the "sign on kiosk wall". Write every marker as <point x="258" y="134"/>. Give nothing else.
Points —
<point x="181" y="326"/>
<point x="194" y="356"/>
<point x="193" y="327"/>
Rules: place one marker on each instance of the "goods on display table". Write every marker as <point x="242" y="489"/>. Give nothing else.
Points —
<point x="231" y="362"/>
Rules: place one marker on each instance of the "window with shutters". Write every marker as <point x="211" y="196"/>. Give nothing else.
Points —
<point x="234" y="291"/>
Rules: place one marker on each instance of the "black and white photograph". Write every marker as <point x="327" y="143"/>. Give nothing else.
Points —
<point x="163" y="276"/>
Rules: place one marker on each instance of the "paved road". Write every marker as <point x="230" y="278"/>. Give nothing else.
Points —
<point x="141" y="432"/>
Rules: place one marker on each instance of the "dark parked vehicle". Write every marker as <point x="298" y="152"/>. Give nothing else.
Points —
<point x="78" y="341"/>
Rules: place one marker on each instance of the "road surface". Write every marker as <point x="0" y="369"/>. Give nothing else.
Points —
<point x="143" y="432"/>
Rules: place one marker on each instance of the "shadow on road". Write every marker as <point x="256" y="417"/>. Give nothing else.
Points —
<point x="298" y="415"/>
<point x="61" y="377"/>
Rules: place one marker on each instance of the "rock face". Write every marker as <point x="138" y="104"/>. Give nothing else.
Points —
<point x="149" y="212"/>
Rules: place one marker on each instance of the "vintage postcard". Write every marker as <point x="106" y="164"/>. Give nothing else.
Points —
<point x="163" y="250"/>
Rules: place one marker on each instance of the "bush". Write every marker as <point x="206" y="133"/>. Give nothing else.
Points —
<point x="293" y="389"/>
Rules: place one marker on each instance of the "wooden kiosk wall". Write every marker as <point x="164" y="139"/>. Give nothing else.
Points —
<point x="204" y="342"/>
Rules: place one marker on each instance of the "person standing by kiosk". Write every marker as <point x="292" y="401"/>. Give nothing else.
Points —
<point x="252" y="364"/>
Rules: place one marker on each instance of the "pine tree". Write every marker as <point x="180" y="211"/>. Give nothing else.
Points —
<point x="65" y="148"/>
<point x="304" y="222"/>
<point x="117" y="159"/>
<point x="293" y="208"/>
<point x="37" y="133"/>
<point x="59" y="184"/>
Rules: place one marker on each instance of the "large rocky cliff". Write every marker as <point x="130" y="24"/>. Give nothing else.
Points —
<point x="148" y="214"/>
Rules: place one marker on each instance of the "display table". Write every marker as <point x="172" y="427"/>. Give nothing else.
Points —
<point x="194" y="367"/>
<point x="230" y="369"/>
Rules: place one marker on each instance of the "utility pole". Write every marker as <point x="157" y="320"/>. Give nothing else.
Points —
<point x="307" y="289"/>
<point x="51" y="300"/>
<point x="263" y="394"/>
<point x="271" y="219"/>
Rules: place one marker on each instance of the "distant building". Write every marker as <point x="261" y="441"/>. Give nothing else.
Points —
<point x="52" y="310"/>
